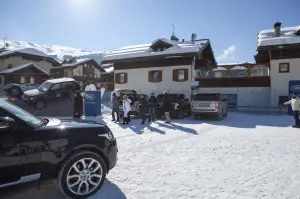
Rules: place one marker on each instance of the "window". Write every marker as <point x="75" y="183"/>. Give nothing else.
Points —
<point x="284" y="67"/>
<point x="9" y="66"/>
<point x="22" y="80"/>
<point x="55" y="87"/>
<point x="32" y="80"/>
<point x="66" y="73"/>
<point x="20" y="113"/>
<point x="67" y="84"/>
<point x="96" y="75"/>
<point x="180" y="75"/>
<point x="155" y="76"/>
<point x="78" y="73"/>
<point x="121" y="78"/>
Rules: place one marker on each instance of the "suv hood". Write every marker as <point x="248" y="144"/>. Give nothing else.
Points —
<point x="33" y="92"/>
<point x="71" y="123"/>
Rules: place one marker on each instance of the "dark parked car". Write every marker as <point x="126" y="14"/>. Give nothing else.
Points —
<point x="181" y="105"/>
<point x="77" y="153"/>
<point x="51" y="90"/>
<point x="16" y="90"/>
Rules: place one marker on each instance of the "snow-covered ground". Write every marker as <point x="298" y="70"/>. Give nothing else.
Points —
<point x="245" y="156"/>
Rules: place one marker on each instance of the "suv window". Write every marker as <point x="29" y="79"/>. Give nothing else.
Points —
<point x="55" y="87"/>
<point x="206" y="97"/>
<point x="67" y="84"/>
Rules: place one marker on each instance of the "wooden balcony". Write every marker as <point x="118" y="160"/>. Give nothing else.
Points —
<point x="262" y="81"/>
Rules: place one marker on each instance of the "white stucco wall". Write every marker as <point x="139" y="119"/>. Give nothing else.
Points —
<point x="280" y="81"/>
<point x="78" y="69"/>
<point x="138" y="80"/>
<point x="246" y="96"/>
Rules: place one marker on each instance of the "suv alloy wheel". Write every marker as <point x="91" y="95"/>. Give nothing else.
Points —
<point x="82" y="175"/>
<point x="15" y="91"/>
<point x="40" y="104"/>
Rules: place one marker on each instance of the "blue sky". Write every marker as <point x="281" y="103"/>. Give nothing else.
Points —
<point x="231" y="25"/>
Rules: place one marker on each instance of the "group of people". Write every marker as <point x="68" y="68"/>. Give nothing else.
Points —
<point x="146" y="107"/>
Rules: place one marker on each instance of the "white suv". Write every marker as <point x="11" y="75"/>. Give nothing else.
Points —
<point x="208" y="104"/>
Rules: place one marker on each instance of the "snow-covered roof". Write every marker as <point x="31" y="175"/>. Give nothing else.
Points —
<point x="81" y="61"/>
<point x="144" y="50"/>
<point x="109" y="68"/>
<point x="287" y="36"/>
<point x="239" y="68"/>
<point x="219" y="69"/>
<point x="58" y="80"/>
<point x="16" y="68"/>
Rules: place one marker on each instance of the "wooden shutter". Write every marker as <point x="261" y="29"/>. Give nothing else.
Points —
<point x="186" y="74"/>
<point x="150" y="76"/>
<point x="175" y="75"/>
<point x="117" y="78"/>
<point x="125" y="78"/>
<point x="160" y="76"/>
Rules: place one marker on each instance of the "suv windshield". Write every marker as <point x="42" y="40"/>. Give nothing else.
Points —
<point x="20" y="113"/>
<point x="206" y="97"/>
<point x="45" y="86"/>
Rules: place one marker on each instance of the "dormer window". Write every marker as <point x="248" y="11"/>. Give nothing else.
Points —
<point x="161" y="45"/>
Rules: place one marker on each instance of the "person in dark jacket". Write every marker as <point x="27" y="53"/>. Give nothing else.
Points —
<point x="115" y="107"/>
<point x="152" y="107"/>
<point x="78" y="105"/>
<point x="144" y="108"/>
<point x="166" y="106"/>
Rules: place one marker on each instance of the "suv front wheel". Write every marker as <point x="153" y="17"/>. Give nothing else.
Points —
<point x="82" y="175"/>
<point x="40" y="104"/>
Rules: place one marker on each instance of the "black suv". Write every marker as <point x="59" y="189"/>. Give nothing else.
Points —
<point x="51" y="90"/>
<point x="77" y="153"/>
<point x="181" y="106"/>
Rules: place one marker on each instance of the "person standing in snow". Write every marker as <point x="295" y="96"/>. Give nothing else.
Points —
<point x="78" y="105"/>
<point x="152" y="107"/>
<point x="115" y="107"/>
<point x="144" y="108"/>
<point x="166" y="106"/>
<point x="126" y="109"/>
<point x="90" y="87"/>
<point x="295" y="104"/>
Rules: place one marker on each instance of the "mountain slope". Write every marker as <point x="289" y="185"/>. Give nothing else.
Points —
<point x="55" y="51"/>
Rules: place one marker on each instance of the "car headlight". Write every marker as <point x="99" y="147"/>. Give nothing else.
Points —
<point x="110" y="135"/>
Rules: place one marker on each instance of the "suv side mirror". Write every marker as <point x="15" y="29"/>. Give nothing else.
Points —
<point x="6" y="123"/>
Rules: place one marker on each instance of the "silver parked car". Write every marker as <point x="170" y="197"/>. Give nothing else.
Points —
<point x="208" y="104"/>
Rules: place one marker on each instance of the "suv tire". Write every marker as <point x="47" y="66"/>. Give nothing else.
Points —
<point x="15" y="91"/>
<point x="40" y="104"/>
<point x="81" y="175"/>
<point x="71" y="95"/>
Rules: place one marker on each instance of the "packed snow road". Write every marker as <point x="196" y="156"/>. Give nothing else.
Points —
<point x="244" y="156"/>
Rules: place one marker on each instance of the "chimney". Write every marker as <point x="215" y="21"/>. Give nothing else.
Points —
<point x="182" y="40"/>
<point x="193" y="38"/>
<point x="277" y="29"/>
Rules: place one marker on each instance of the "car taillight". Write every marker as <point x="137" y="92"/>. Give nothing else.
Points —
<point x="217" y="105"/>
